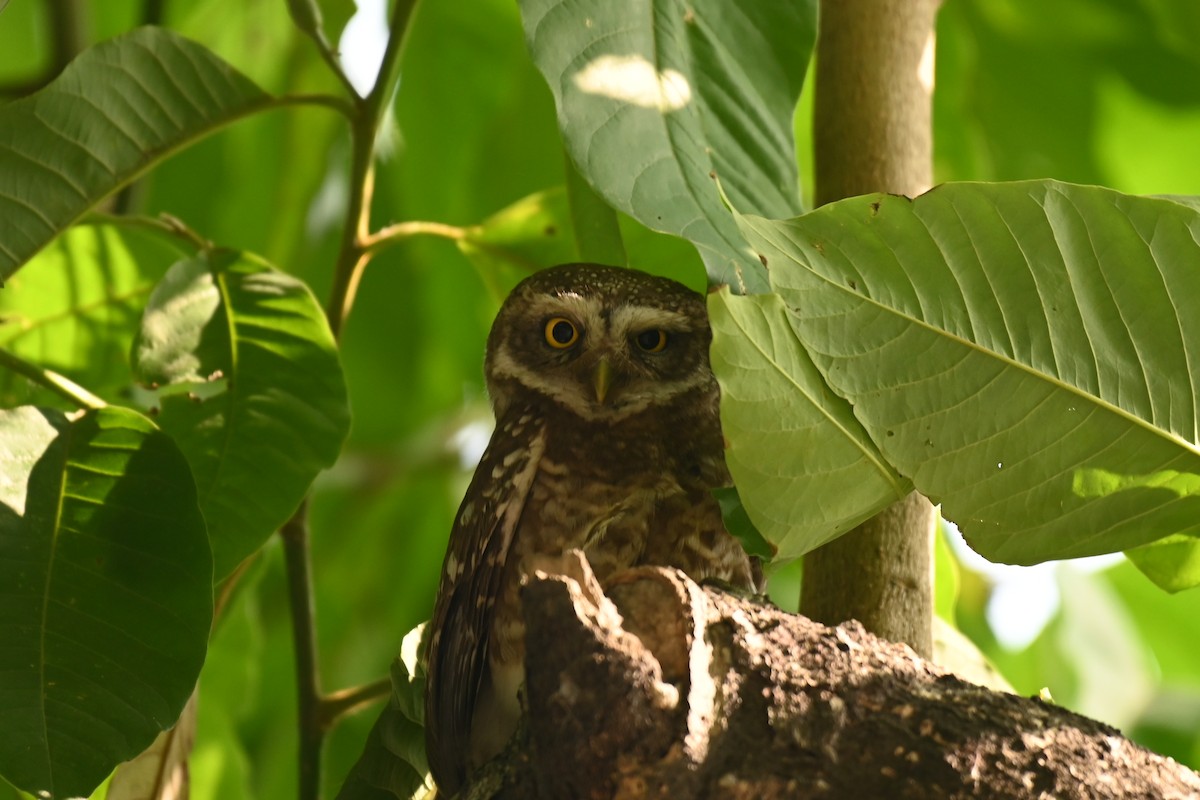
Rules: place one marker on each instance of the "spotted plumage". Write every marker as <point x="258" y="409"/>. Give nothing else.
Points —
<point x="608" y="440"/>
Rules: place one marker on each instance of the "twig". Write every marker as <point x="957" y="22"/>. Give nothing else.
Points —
<point x="59" y="384"/>
<point x="353" y="254"/>
<point x="304" y="630"/>
<point x="336" y="705"/>
<point x="398" y="232"/>
<point x="331" y="59"/>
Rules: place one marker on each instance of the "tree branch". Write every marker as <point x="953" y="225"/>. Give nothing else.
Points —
<point x="657" y="687"/>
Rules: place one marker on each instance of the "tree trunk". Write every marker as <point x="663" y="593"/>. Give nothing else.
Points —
<point x="662" y="688"/>
<point x="874" y="83"/>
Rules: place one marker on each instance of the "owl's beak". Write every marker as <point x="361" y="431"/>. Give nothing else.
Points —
<point x="602" y="377"/>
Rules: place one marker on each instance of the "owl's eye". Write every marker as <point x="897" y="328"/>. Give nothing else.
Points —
<point x="652" y="341"/>
<point x="561" y="333"/>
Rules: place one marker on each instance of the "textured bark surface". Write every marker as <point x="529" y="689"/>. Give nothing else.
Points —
<point x="872" y="128"/>
<point x="872" y="132"/>
<point x="662" y="688"/>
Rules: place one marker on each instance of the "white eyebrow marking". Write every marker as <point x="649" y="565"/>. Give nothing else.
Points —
<point x="629" y="318"/>
<point x="585" y="310"/>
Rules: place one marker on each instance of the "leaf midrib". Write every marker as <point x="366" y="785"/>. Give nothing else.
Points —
<point x="66" y="433"/>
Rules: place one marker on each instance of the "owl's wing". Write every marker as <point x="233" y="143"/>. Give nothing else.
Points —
<point x="470" y="582"/>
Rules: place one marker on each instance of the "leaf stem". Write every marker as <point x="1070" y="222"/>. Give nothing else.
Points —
<point x="346" y="108"/>
<point x="59" y="384"/>
<point x="163" y="223"/>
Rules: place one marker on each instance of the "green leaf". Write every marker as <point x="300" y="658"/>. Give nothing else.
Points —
<point x="537" y="232"/>
<point x="116" y="110"/>
<point x="1021" y="351"/>
<point x="533" y="233"/>
<point x="655" y="97"/>
<point x="804" y="466"/>
<point x="106" y="580"/>
<point x="737" y="522"/>
<point x="267" y="410"/>
<point x="1173" y="562"/>
<point x="947" y="578"/>
<point x="392" y="765"/>
<point x="76" y="306"/>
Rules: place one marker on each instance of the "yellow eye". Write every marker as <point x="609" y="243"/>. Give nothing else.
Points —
<point x="652" y="341"/>
<point x="561" y="333"/>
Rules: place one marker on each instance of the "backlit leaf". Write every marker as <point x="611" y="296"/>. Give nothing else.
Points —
<point x="252" y="391"/>
<point x="116" y="110"/>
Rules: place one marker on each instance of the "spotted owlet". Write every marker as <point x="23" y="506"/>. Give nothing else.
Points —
<point x="608" y="440"/>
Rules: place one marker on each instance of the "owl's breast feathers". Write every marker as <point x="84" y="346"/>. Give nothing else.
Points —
<point x="550" y="481"/>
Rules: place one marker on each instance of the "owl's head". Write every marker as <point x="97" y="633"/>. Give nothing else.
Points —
<point x="602" y="342"/>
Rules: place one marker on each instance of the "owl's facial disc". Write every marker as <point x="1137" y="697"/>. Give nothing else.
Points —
<point x="602" y="359"/>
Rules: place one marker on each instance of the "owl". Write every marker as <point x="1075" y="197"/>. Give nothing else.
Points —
<point x="608" y="440"/>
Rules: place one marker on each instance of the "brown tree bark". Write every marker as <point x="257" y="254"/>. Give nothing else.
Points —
<point x="662" y="688"/>
<point x="872" y="133"/>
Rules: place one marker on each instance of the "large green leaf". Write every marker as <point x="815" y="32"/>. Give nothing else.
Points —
<point x="805" y="468"/>
<point x="119" y="108"/>
<point x="656" y="96"/>
<point x="105" y="593"/>
<point x="76" y="306"/>
<point x="253" y="391"/>
<point x="1024" y="352"/>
